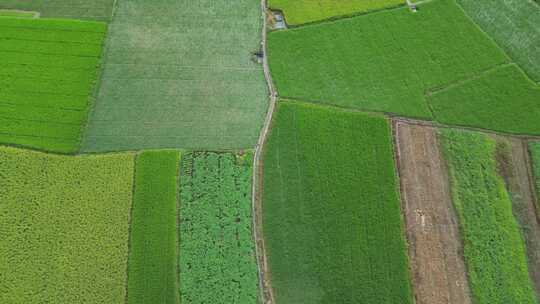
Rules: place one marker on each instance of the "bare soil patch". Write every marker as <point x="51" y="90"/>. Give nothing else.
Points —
<point x="435" y="251"/>
<point x="518" y="177"/>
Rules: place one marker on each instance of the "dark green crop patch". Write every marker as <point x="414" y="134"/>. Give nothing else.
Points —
<point x="217" y="253"/>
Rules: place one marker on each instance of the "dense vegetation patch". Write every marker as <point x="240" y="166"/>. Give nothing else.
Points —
<point x="99" y="10"/>
<point x="503" y="99"/>
<point x="64" y="227"/>
<point x="514" y="25"/>
<point x="332" y="221"/>
<point x="304" y="11"/>
<point x="534" y="148"/>
<point x="180" y="77"/>
<point x="47" y="73"/>
<point x="153" y="271"/>
<point x="382" y="61"/>
<point x="493" y="247"/>
<point x="217" y="259"/>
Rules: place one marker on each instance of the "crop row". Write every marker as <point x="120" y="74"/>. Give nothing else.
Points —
<point x="493" y="247"/>
<point x="217" y="260"/>
<point x="65" y="224"/>
<point x="331" y="210"/>
<point x="534" y="148"/>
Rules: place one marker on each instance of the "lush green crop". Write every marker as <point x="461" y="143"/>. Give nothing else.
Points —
<point x="16" y="13"/>
<point x="382" y="61"/>
<point x="534" y="148"/>
<point x="503" y="99"/>
<point x="217" y="259"/>
<point x="331" y="217"/>
<point x="100" y="10"/>
<point x="493" y="247"/>
<point x="305" y="11"/>
<point x="152" y="269"/>
<point x="64" y="227"/>
<point x="514" y="25"/>
<point x="181" y="77"/>
<point x="47" y="73"/>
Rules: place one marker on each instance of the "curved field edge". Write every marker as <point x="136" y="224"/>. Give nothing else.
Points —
<point x="217" y="252"/>
<point x="152" y="268"/>
<point x="494" y="249"/>
<point x="327" y="239"/>
<point x="65" y="223"/>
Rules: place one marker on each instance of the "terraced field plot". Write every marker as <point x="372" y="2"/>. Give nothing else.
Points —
<point x="304" y="11"/>
<point x="515" y="26"/>
<point x="492" y="243"/>
<point x="217" y="258"/>
<point x="331" y="211"/>
<point x="47" y="73"/>
<point x="99" y="10"/>
<point x="153" y="271"/>
<point x="64" y="227"/>
<point x="180" y="75"/>
<point x="381" y="61"/>
<point x="503" y="99"/>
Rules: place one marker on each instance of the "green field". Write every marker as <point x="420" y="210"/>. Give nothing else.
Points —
<point x="217" y="258"/>
<point x="331" y="210"/>
<point x="493" y="247"/>
<point x="99" y="10"/>
<point x="304" y="11"/>
<point x="181" y="77"/>
<point x="47" y="73"/>
<point x="152" y="269"/>
<point x="16" y="13"/>
<point x="534" y="148"/>
<point x="503" y="99"/>
<point x="382" y="61"/>
<point x="514" y="25"/>
<point x="64" y="227"/>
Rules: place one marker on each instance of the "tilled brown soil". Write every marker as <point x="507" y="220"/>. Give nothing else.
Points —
<point x="518" y="177"/>
<point x="435" y="251"/>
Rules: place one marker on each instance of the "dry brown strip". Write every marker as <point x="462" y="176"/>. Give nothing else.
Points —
<point x="435" y="250"/>
<point x="518" y="178"/>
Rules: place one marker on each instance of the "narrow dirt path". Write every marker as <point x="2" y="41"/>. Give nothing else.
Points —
<point x="518" y="177"/>
<point x="435" y="251"/>
<point x="257" y="186"/>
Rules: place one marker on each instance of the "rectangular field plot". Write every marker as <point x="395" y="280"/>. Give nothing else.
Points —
<point x="99" y="10"/>
<point x="331" y="211"/>
<point x="180" y="75"/>
<point x="304" y="11"/>
<point x="217" y="254"/>
<point x="493" y="246"/>
<point x="383" y="61"/>
<point x="534" y="149"/>
<point x="64" y="227"/>
<point x="152" y="269"/>
<point x="47" y="73"/>
<point x="503" y="99"/>
<point x="514" y="25"/>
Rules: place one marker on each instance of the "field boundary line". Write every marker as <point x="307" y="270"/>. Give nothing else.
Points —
<point x="266" y="294"/>
<point x="532" y="180"/>
<point x="134" y="181"/>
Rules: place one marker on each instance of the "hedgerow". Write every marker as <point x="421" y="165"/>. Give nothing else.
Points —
<point x="304" y="11"/>
<point x="514" y="25"/>
<point x="331" y="211"/>
<point x="64" y="227"/>
<point x="217" y="259"/>
<point x="152" y="269"/>
<point x="503" y="99"/>
<point x="47" y="74"/>
<point x="493" y="246"/>
<point x="382" y="61"/>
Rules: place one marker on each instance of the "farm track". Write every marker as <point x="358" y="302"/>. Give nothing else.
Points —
<point x="267" y="296"/>
<point x="437" y="267"/>
<point x="518" y="178"/>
